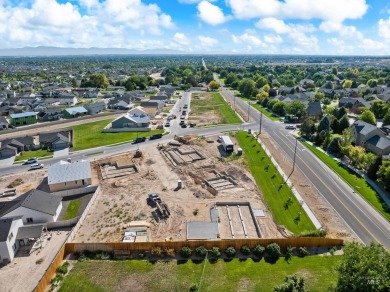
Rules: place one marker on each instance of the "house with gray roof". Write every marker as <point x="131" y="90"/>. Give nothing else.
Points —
<point x="65" y="175"/>
<point x="370" y="137"/>
<point x="55" y="141"/>
<point x="96" y="107"/>
<point x="33" y="207"/>
<point x="3" y="123"/>
<point x="314" y="110"/>
<point x="135" y="120"/>
<point x="75" y="112"/>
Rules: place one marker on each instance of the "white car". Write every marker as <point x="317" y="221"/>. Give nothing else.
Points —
<point x="290" y="127"/>
<point x="36" y="166"/>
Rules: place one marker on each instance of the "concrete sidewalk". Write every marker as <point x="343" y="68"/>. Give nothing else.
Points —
<point x="7" y="161"/>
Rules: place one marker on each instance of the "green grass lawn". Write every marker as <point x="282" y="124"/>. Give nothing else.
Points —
<point x="358" y="183"/>
<point x="90" y="135"/>
<point x="33" y="153"/>
<point x="245" y="275"/>
<point x="217" y="104"/>
<point x="72" y="210"/>
<point x="265" y="112"/>
<point x="269" y="181"/>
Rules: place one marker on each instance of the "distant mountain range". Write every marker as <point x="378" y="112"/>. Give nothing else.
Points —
<point x="56" y="51"/>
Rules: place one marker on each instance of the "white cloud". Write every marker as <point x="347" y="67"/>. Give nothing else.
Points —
<point x="104" y="24"/>
<point x="273" y="39"/>
<point x="280" y="27"/>
<point x="299" y="9"/>
<point x="384" y="28"/>
<point x="207" y="41"/>
<point x="249" y="37"/>
<point x="192" y="1"/>
<point x="210" y="13"/>
<point x="181" y="39"/>
<point x="344" y="30"/>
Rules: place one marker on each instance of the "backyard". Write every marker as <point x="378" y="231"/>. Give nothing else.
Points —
<point x="358" y="183"/>
<point x="235" y="275"/>
<point x="91" y="135"/>
<point x="284" y="206"/>
<point x="73" y="209"/>
<point x="212" y="105"/>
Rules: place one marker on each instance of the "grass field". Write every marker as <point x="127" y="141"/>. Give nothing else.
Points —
<point x="33" y="153"/>
<point x="216" y="104"/>
<point x="73" y="209"/>
<point x="279" y="198"/>
<point x="358" y="183"/>
<point x="91" y="135"/>
<point x="265" y="112"/>
<point x="235" y="275"/>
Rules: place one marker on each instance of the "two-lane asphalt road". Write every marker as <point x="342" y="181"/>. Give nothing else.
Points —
<point x="363" y="219"/>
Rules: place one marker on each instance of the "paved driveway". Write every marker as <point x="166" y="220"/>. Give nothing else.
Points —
<point x="7" y="161"/>
<point x="61" y="152"/>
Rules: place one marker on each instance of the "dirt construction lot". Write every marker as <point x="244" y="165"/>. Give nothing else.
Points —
<point x="123" y="199"/>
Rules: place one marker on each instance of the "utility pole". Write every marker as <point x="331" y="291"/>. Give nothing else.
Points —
<point x="261" y="117"/>
<point x="295" y="154"/>
<point x="249" y="107"/>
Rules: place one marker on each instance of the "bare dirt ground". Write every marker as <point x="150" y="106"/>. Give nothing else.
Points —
<point x="22" y="182"/>
<point x="123" y="199"/>
<point x="324" y="212"/>
<point x="201" y="117"/>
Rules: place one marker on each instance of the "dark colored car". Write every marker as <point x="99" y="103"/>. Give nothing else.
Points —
<point x="155" y="136"/>
<point x="184" y="125"/>
<point x="139" y="140"/>
<point x="192" y="125"/>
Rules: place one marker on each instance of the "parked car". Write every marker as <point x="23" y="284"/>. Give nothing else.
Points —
<point x="290" y="127"/>
<point x="184" y="125"/>
<point x="139" y="140"/>
<point x="36" y="166"/>
<point x="192" y="125"/>
<point x="155" y="136"/>
<point x="182" y="122"/>
<point x="167" y="124"/>
<point x="31" y="160"/>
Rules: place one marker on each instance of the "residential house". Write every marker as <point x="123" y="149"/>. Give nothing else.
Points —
<point x="3" y="123"/>
<point x="314" y="110"/>
<point x="67" y="99"/>
<point x="120" y="104"/>
<point x="132" y="121"/>
<point x="112" y="88"/>
<point x="21" y="119"/>
<point x="96" y="107"/>
<point x="7" y="151"/>
<point x="351" y="102"/>
<point x="11" y="101"/>
<point x="75" y="112"/>
<point x="50" y="114"/>
<point x="9" y="246"/>
<point x="20" y="143"/>
<point x="153" y="108"/>
<point x="55" y="141"/>
<point x="65" y="175"/>
<point x="6" y="110"/>
<point x="34" y="207"/>
<point x="163" y="98"/>
<point x="370" y="137"/>
<point x="92" y="93"/>
<point x="26" y="99"/>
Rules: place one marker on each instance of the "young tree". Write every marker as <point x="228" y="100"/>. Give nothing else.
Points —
<point x="347" y="83"/>
<point x="213" y="85"/>
<point x="386" y="119"/>
<point x="308" y="127"/>
<point x="364" y="268"/>
<point x="296" y="108"/>
<point x="383" y="174"/>
<point x="368" y="117"/>
<point x="324" y="125"/>
<point x="374" y="167"/>
<point x="291" y="284"/>
<point x="334" y="147"/>
<point x="343" y="123"/>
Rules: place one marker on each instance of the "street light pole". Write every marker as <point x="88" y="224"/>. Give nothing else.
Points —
<point x="261" y="117"/>
<point x="295" y="155"/>
<point x="249" y="107"/>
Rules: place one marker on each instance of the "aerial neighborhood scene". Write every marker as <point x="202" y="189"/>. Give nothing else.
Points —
<point x="192" y="145"/>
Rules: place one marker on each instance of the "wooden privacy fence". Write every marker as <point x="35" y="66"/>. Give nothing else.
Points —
<point x="50" y="272"/>
<point x="222" y="244"/>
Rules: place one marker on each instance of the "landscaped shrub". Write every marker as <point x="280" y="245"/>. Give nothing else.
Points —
<point x="169" y="252"/>
<point x="245" y="250"/>
<point x="315" y="233"/>
<point x="216" y="252"/>
<point x="185" y="252"/>
<point x="303" y="251"/>
<point x="201" y="251"/>
<point x="57" y="279"/>
<point x="156" y="251"/>
<point x="258" y="250"/>
<point x="273" y="250"/>
<point x="63" y="269"/>
<point x="230" y="251"/>
<point x="289" y="253"/>
<point x="194" y="288"/>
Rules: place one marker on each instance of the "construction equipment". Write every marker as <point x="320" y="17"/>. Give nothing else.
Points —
<point x="138" y="154"/>
<point x="183" y="139"/>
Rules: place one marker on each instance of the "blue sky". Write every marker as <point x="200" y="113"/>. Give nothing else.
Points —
<point x="357" y="27"/>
